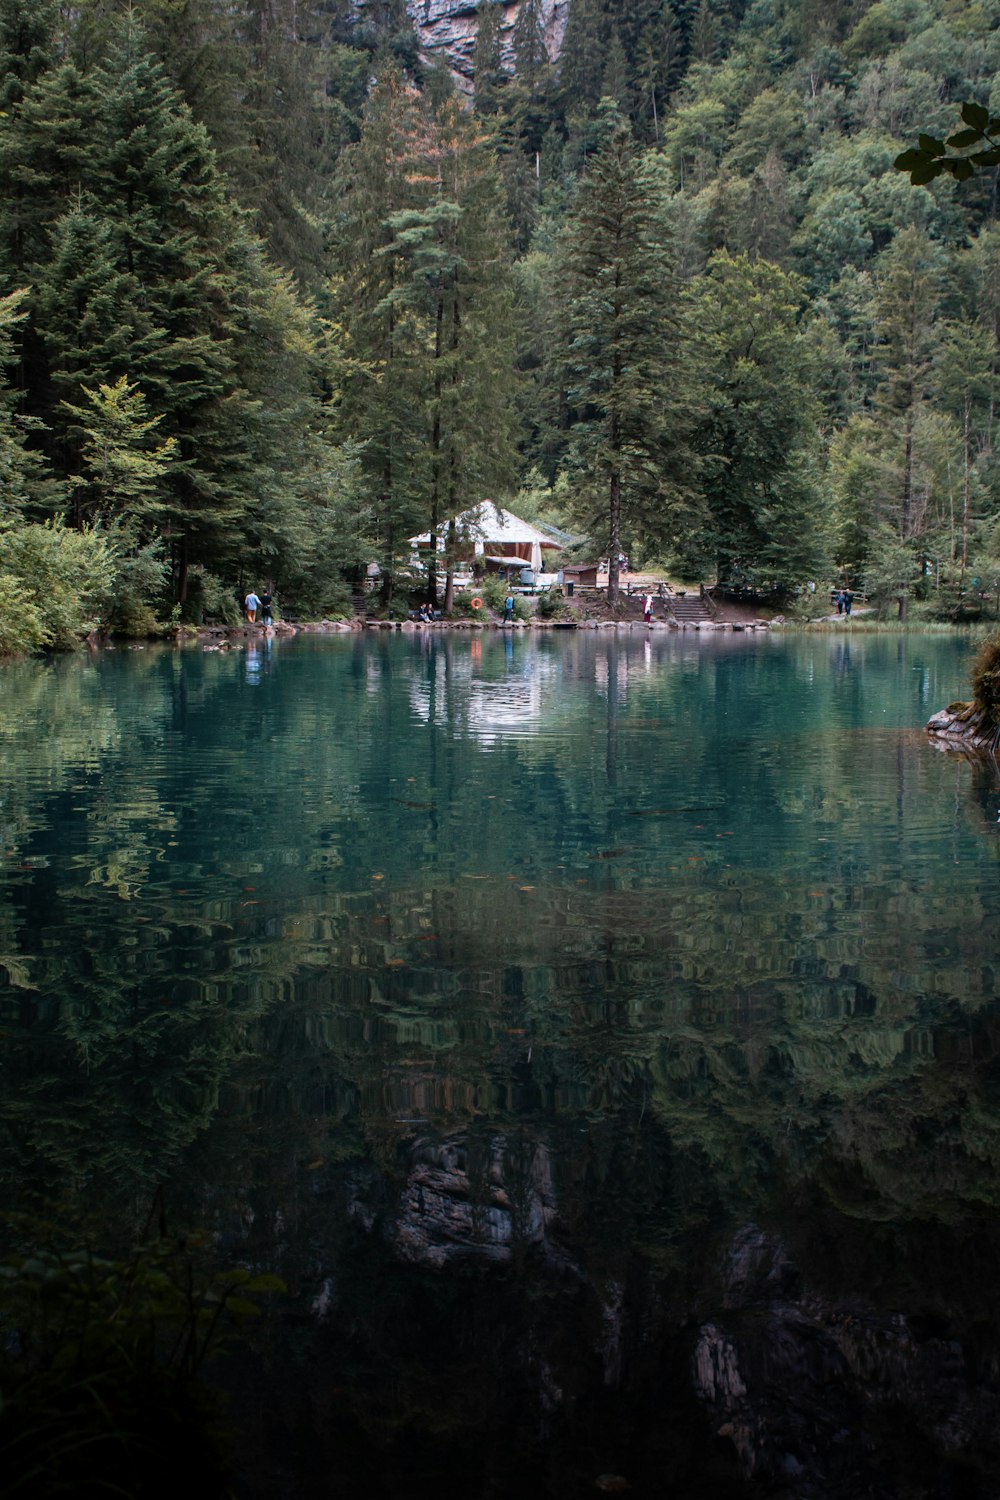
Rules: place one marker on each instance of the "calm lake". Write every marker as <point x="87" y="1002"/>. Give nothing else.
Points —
<point x="597" y="1033"/>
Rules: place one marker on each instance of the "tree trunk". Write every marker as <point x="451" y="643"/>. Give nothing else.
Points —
<point x="449" y="587"/>
<point x="615" y="536"/>
<point x="965" y="493"/>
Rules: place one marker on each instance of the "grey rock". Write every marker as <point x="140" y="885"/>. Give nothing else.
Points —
<point x="448" y="28"/>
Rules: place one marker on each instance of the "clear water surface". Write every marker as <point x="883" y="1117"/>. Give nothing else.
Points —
<point x="598" y="1033"/>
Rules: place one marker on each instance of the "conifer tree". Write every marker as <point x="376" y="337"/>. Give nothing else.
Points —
<point x="531" y="57"/>
<point x="581" y="59"/>
<point x="380" y="396"/>
<point x="620" y="354"/>
<point x="965" y="360"/>
<point x="25" y="484"/>
<point x="757" y="432"/>
<point x="487" y="68"/>
<point x="907" y="297"/>
<point x="428" y="316"/>
<point x="124" y="459"/>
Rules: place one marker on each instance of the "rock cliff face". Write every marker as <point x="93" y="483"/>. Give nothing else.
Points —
<point x="448" y="28"/>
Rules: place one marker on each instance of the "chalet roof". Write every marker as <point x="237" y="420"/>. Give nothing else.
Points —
<point x="489" y="523"/>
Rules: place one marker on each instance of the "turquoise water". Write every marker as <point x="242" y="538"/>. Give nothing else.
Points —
<point x="590" y="987"/>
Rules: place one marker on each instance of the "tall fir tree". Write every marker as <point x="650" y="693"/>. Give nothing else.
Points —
<point x="906" y="304"/>
<point x="381" y="397"/>
<point x="488" y="75"/>
<point x="757" y="432"/>
<point x="621" y="355"/>
<point x="428" y="317"/>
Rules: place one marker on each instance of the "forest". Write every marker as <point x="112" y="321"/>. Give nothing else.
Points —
<point x="279" y="291"/>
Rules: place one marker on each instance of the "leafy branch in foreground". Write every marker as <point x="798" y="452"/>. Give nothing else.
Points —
<point x="100" y="1368"/>
<point x="929" y="158"/>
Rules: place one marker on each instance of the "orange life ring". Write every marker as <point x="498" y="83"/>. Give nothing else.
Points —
<point x="477" y="603"/>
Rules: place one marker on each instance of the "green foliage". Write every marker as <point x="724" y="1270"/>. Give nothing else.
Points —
<point x="549" y="605"/>
<point x="101" y="1370"/>
<point x="758" y="433"/>
<point x="300" y="419"/>
<point x="930" y="157"/>
<point x="65" y="576"/>
<point x="986" y="682"/>
<point x="23" y="627"/>
<point x="140" y="584"/>
<point x="621" y="358"/>
<point x="123" y="464"/>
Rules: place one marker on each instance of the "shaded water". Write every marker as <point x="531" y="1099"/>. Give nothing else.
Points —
<point x="597" y="1033"/>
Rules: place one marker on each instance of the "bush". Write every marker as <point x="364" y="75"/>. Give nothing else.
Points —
<point x="493" y="590"/>
<point x="986" y="682"/>
<point x="209" y="598"/>
<point x="139" y="586"/>
<point x="64" y="576"/>
<point x="101" y="1369"/>
<point x="22" y="628"/>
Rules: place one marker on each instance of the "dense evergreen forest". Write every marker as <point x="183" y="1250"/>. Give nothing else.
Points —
<point x="275" y="296"/>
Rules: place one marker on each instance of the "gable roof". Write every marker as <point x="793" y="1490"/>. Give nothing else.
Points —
<point x="486" y="522"/>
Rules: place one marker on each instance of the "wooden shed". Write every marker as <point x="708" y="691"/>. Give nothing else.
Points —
<point x="582" y="574"/>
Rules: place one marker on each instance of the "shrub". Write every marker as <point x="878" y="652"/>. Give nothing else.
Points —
<point x="986" y="682"/>
<point x="101" y="1369"/>
<point x="209" y="598"/>
<point x="65" y="576"/>
<point x="139" y="585"/>
<point x="493" y="590"/>
<point x="22" y="628"/>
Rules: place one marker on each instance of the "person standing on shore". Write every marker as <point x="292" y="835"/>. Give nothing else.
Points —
<point x="252" y="604"/>
<point x="647" y="609"/>
<point x="266" y="603"/>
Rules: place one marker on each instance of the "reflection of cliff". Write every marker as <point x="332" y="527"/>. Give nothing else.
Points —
<point x="483" y="1199"/>
<point x="785" y="1373"/>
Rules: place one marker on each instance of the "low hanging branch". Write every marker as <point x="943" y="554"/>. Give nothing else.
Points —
<point x="930" y="157"/>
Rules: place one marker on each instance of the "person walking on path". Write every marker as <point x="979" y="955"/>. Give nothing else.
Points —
<point x="252" y="604"/>
<point x="848" y="599"/>
<point x="266" y="603"/>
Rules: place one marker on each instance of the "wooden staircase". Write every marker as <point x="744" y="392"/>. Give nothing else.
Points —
<point x="689" y="609"/>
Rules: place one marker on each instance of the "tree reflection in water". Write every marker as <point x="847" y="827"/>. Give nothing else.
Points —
<point x="611" y="1079"/>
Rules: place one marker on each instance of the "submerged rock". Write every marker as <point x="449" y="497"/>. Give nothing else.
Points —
<point x="962" y="727"/>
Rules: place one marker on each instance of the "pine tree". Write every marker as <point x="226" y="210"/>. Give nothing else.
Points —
<point x="614" y="82"/>
<point x="380" y="394"/>
<point x="428" y="317"/>
<point x="531" y="57"/>
<point x="487" y="67"/>
<point x="25" y="484"/>
<point x="907" y="297"/>
<point x="124" y="459"/>
<point x="657" y="68"/>
<point x="758" y="430"/>
<point x="620" y="354"/>
<point x="581" y="60"/>
<point x="965" y="361"/>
